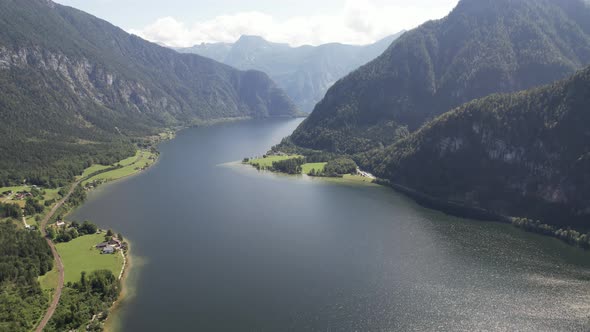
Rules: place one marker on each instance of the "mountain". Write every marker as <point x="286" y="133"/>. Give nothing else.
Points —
<point x="525" y="154"/>
<point x="481" y="47"/>
<point x="74" y="89"/>
<point x="305" y="72"/>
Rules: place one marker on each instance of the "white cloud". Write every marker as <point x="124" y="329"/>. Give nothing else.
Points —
<point x="358" y="22"/>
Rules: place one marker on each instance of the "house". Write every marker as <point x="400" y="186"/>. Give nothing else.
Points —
<point x="60" y="223"/>
<point x="108" y="250"/>
<point x="102" y="245"/>
<point x="115" y="242"/>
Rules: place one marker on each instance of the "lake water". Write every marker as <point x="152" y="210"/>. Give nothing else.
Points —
<point x="222" y="247"/>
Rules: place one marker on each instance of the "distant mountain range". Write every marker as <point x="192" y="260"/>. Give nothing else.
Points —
<point x="74" y="89"/>
<point x="305" y="72"/>
<point x="482" y="47"/>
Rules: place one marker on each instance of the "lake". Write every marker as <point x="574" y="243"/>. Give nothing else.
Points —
<point x="222" y="247"/>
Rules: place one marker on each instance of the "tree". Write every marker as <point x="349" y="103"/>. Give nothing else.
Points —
<point x="110" y="233"/>
<point x="51" y="233"/>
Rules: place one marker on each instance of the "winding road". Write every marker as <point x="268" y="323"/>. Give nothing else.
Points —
<point x="56" y="257"/>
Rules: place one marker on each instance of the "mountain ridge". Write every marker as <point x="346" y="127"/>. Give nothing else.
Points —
<point x="525" y="154"/>
<point x="481" y="47"/>
<point x="68" y="77"/>
<point x="304" y="72"/>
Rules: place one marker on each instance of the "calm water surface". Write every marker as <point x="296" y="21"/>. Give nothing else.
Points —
<point x="224" y="248"/>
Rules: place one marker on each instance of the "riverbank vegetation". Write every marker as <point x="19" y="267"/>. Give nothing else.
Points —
<point x="568" y="235"/>
<point x="24" y="256"/>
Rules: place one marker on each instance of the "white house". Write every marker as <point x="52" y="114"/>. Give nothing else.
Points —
<point x="108" y="250"/>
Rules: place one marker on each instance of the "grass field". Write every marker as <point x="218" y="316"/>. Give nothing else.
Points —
<point x="15" y="189"/>
<point x="81" y="255"/>
<point x="267" y="162"/>
<point x="317" y="166"/>
<point x="351" y="179"/>
<point x="92" y="169"/>
<point x="130" y="165"/>
<point x="49" y="280"/>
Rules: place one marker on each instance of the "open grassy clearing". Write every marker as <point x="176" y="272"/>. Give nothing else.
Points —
<point x="130" y="166"/>
<point x="267" y="162"/>
<point x="319" y="167"/>
<point x="15" y="189"/>
<point x="49" y="280"/>
<point x="350" y="179"/>
<point x="93" y="169"/>
<point x="80" y="255"/>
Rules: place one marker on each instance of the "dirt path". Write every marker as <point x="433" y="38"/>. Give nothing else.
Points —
<point x="60" y="266"/>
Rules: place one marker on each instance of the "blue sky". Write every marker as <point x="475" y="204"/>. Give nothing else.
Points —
<point x="189" y="22"/>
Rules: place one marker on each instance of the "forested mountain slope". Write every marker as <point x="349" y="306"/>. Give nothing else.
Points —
<point x="74" y="88"/>
<point x="525" y="154"/>
<point x="305" y="72"/>
<point x="482" y="47"/>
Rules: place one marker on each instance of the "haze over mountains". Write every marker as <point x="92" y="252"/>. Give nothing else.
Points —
<point x="305" y="73"/>
<point x="74" y="88"/>
<point x="482" y="47"/>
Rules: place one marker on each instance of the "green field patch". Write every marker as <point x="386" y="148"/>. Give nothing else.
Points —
<point x="94" y="169"/>
<point x="81" y="254"/>
<point x="318" y="167"/>
<point x="267" y="162"/>
<point x="131" y="160"/>
<point x="350" y="179"/>
<point x="130" y="165"/>
<point x="15" y="189"/>
<point x="49" y="280"/>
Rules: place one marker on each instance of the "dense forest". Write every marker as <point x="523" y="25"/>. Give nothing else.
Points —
<point x="24" y="256"/>
<point x="525" y="154"/>
<point x="75" y="90"/>
<point x="482" y="47"/>
<point x="92" y="295"/>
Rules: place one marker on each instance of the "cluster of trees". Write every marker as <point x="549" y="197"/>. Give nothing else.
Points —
<point x="568" y="235"/>
<point x="24" y="256"/>
<point x="10" y="211"/>
<point x="32" y="207"/>
<point x="340" y="166"/>
<point x="78" y="197"/>
<point x="288" y="166"/>
<point x="92" y="295"/>
<point x="73" y="231"/>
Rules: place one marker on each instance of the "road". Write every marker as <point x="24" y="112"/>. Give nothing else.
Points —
<point x="60" y="266"/>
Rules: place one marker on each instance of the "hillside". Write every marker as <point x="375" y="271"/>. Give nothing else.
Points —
<point x="481" y="47"/>
<point x="525" y="154"/>
<point x="305" y="73"/>
<point x="74" y="89"/>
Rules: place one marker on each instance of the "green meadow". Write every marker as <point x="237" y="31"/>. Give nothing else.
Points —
<point x="130" y="165"/>
<point x="267" y="162"/>
<point x="80" y="255"/>
<point x="319" y="167"/>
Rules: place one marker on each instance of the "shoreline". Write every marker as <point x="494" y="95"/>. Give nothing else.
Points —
<point x="124" y="292"/>
<point x="568" y="235"/>
<point x="335" y="180"/>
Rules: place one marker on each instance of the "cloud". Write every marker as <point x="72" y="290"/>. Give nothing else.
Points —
<point x="358" y="22"/>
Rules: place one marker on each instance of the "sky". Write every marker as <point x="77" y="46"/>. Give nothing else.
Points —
<point x="184" y="23"/>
